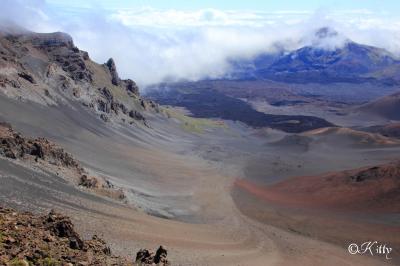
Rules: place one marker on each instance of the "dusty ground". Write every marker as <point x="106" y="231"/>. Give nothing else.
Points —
<point x="185" y="179"/>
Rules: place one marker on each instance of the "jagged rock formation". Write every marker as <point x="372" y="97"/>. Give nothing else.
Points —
<point x="131" y="87"/>
<point x="145" y="257"/>
<point x="13" y="145"/>
<point x="48" y="68"/>
<point x="27" y="239"/>
<point x="46" y="155"/>
<point x="113" y="72"/>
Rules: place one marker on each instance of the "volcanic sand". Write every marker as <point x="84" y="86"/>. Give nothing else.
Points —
<point x="201" y="223"/>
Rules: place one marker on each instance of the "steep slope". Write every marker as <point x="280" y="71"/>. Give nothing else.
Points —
<point x="48" y="69"/>
<point x="40" y="154"/>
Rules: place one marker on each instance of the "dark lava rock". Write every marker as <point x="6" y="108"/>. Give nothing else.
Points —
<point x="136" y="115"/>
<point x="113" y="71"/>
<point x="104" y="117"/>
<point x="27" y="77"/>
<point x="145" y="257"/>
<point x="107" y="94"/>
<point x="37" y="150"/>
<point x="370" y="173"/>
<point x="89" y="182"/>
<point x="131" y="87"/>
<point x="161" y="256"/>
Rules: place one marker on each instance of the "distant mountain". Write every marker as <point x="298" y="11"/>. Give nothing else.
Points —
<point x="329" y="58"/>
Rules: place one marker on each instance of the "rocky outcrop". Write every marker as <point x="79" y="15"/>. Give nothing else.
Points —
<point x="27" y="239"/>
<point x="46" y="155"/>
<point x="107" y="104"/>
<point x="110" y="64"/>
<point x="136" y="115"/>
<point x="13" y="145"/>
<point x="60" y="49"/>
<point x="145" y="257"/>
<point x="27" y="77"/>
<point x="46" y="40"/>
<point x="131" y="87"/>
<point x="49" y="69"/>
<point x="104" y="104"/>
<point x="381" y="172"/>
<point x="88" y="181"/>
<point x="73" y="62"/>
<point x="62" y="226"/>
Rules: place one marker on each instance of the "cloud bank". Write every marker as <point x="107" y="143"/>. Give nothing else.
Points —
<point x="152" y="46"/>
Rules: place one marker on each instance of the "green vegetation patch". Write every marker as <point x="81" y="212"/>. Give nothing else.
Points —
<point x="49" y="262"/>
<point x="194" y="125"/>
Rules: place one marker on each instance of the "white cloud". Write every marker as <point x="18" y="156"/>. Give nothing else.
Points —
<point x="203" y="17"/>
<point x="151" y="45"/>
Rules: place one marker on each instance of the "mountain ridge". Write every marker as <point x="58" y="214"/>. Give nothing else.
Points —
<point x="47" y="68"/>
<point x="324" y="60"/>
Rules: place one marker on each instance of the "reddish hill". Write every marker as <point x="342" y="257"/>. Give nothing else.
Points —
<point x="391" y="130"/>
<point x="387" y="107"/>
<point x="372" y="188"/>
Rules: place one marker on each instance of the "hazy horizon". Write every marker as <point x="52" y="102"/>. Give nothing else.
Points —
<point x="152" y="42"/>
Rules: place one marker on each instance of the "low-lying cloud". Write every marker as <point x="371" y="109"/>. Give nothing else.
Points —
<point x="151" y="45"/>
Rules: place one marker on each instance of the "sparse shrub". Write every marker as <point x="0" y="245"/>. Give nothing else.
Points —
<point x="49" y="262"/>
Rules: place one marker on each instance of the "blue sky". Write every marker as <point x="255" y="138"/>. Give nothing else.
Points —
<point x="386" y="6"/>
<point x="155" y="40"/>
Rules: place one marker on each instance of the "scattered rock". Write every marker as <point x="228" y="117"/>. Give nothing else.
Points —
<point x="104" y="117"/>
<point x="76" y="91"/>
<point x="89" y="182"/>
<point x="136" y="115"/>
<point x="144" y="256"/>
